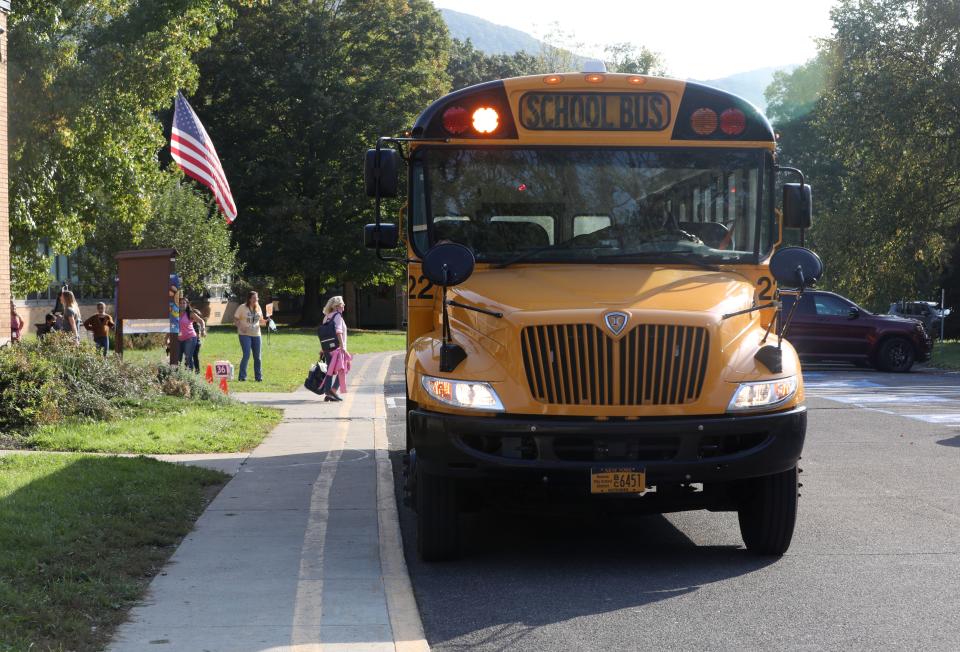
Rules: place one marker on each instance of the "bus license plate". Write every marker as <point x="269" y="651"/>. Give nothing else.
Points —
<point x="617" y="481"/>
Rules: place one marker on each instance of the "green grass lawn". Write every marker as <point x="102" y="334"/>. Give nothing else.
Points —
<point x="164" y="425"/>
<point x="81" y="537"/>
<point x="946" y="355"/>
<point x="287" y="354"/>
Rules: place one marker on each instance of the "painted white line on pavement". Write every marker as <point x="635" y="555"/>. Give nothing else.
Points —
<point x="304" y="636"/>
<point x="401" y="605"/>
<point x="887" y="398"/>
<point x="396" y="401"/>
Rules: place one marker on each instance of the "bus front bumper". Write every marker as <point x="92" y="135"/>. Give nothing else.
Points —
<point x="670" y="450"/>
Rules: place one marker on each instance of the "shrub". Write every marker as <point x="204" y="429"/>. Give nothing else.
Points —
<point x="91" y="384"/>
<point x="28" y="390"/>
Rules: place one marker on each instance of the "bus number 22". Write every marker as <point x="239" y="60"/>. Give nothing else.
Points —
<point x="764" y="285"/>
<point x="424" y="292"/>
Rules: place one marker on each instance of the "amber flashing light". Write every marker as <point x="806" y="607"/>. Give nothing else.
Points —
<point x="704" y="121"/>
<point x="594" y="78"/>
<point x="485" y="120"/>
<point x="637" y="81"/>
<point x="552" y="79"/>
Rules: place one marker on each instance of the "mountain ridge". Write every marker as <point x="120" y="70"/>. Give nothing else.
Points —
<point x="492" y="38"/>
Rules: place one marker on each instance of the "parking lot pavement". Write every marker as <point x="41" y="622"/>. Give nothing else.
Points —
<point x="927" y="395"/>
<point x="875" y="561"/>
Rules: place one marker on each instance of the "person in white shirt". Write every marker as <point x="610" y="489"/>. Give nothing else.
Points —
<point x="249" y="319"/>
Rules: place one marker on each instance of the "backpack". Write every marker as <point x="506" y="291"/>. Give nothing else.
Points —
<point x="315" y="378"/>
<point x="327" y="333"/>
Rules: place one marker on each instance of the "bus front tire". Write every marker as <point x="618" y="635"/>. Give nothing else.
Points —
<point x="768" y="513"/>
<point x="438" y="531"/>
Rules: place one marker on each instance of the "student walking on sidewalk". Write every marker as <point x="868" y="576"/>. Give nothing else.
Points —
<point x="249" y="319"/>
<point x="337" y="359"/>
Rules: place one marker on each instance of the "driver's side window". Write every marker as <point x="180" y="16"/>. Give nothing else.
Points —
<point x="829" y="306"/>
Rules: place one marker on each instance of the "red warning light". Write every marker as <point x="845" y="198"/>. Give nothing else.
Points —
<point x="522" y="187"/>
<point x="456" y="120"/>
<point x="733" y="122"/>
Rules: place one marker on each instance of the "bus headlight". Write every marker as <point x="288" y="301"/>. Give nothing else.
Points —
<point x="463" y="393"/>
<point x="767" y="394"/>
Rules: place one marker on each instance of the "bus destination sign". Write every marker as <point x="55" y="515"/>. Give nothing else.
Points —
<point x="592" y="111"/>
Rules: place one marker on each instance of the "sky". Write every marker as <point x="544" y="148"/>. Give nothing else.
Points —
<point x="699" y="39"/>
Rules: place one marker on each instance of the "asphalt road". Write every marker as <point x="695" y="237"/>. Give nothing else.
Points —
<point x="874" y="564"/>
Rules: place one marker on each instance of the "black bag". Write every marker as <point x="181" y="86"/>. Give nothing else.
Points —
<point x="328" y="336"/>
<point x="315" y="378"/>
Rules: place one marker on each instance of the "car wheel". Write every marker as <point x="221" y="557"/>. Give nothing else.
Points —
<point x="896" y="355"/>
<point x="768" y="513"/>
<point x="438" y="516"/>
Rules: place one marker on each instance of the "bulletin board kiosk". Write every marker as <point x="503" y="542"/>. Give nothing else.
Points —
<point x="148" y="296"/>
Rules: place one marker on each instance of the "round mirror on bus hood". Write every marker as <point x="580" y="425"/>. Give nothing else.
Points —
<point x="796" y="268"/>
<point x="448" y="264"/>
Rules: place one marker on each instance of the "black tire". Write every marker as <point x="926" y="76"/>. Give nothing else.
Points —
<point x="768" y="513"/>
<point x="438" y="516"/>
<point x="896" y="354"/>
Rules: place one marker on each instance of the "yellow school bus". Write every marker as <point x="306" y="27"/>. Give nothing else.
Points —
<point x="592" y="317"/>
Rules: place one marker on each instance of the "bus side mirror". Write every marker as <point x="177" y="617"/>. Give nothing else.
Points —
<point x="381" y="170"/>
<point x="381" y="236"/>
<point x="797" y="206"/>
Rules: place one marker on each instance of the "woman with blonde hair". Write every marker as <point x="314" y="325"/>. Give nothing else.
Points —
<point x="71" y="314"/>
<point x="338" y="359"/>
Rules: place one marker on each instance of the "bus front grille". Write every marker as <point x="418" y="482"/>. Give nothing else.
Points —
<point x="578" y="364"/>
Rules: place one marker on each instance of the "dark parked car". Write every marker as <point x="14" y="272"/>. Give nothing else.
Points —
<point x="827" y="326"/>
<point x="927" y="312"/>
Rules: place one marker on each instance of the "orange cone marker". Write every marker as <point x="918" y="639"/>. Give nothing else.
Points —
<point x="223" y="386"/>
<point x="209" y="374"/>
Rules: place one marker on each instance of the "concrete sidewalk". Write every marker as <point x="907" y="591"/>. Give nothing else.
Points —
<point x="301" y="550"/>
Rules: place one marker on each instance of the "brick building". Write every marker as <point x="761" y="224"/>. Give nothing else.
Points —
<point x="4" y="184"/>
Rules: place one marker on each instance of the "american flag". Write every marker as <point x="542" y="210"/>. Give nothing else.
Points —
<point x="193" y="151"/>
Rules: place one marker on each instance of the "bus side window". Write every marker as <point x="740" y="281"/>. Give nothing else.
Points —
<point x="584" y="224"/>
<point x="545" y="222"/>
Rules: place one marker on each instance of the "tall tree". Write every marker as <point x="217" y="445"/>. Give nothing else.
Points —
<point x="183" y="217"/>
<point x="892" y="113"/>
<point x="795" y="106"/>
<point x="295" y="93"/>
<point x="87" y="77"/>
<point x="634" y="59"/>
<point x="468" y="65"/>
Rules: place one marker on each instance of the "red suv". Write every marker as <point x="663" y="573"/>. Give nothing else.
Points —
<point x="827" y="326"/>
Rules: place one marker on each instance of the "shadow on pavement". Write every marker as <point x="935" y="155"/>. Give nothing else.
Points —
<point x="952" y="441"/>
<point x="520" y="572"/>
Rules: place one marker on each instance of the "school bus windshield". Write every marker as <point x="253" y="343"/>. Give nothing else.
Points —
<point x="597" y="205"/>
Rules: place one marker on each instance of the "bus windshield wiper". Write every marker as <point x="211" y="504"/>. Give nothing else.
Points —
<point x="533" y="252"/>
<point x="682" y="257"/>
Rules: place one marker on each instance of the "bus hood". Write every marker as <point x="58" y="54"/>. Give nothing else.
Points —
<point x="606" y="287"/>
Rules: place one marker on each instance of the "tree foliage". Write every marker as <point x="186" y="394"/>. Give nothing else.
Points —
<point x="182" y="217"/>
<point x="87" y="76"/>
<point x="468" y="66"/>
<point x="293" y="95"/>
<point x="634" y="59"/>
<point x="881" y="143"/>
